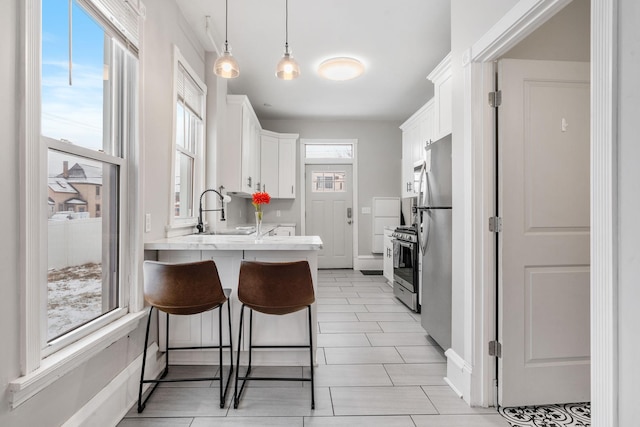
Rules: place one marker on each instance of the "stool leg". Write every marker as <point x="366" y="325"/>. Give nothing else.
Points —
<point x="235" y="391"/>
<point x="166" y="361"/>
<point x="250" y="340"/>
<point x="313" y="401"/>
<point x="220" y="353"/>
<point x="144" y="362"/>
<point x="226" y="388"/>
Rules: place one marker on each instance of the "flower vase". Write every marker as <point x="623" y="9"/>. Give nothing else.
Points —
<point x="258" y="226"/>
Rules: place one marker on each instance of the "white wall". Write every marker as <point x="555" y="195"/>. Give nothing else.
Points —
<point x="629" y="206"/>
<point x="379" y="158"/>
<point x="60" y="400"/>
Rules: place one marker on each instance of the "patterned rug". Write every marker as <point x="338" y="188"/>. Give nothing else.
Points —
<point x="567" y="415"/>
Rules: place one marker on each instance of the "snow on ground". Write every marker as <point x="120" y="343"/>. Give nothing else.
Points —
<point x="75" y="297"/>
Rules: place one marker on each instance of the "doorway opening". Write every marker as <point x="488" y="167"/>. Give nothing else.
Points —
<point x="329" y="198"/>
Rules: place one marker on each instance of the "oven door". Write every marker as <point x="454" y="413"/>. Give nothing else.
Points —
<point x="405" y="265"/>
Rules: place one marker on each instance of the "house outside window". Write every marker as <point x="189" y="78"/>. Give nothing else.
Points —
<point x="87" y="104"/>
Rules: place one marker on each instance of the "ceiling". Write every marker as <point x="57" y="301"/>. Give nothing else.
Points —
<point x="399" y="42"/>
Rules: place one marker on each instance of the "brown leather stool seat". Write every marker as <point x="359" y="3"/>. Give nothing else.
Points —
<point x="277" y="289"/>
<point x="184" y="289"/>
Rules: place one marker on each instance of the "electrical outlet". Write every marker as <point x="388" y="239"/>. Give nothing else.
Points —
<point x="147" y="223"/>
<point x="278" y="212"/>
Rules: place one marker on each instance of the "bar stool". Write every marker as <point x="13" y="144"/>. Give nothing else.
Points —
<point x="276" y="289"/>
<point x="184" y="289"/>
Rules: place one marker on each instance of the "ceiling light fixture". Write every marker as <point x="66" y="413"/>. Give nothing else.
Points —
<point x="288" y="68"/>
<point x="226" y="65"/>
<point x="341" y="69"/>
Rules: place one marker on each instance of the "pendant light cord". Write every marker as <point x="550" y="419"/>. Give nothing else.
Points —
<point x="286" y="26"/>
<point x="226" y="25"/>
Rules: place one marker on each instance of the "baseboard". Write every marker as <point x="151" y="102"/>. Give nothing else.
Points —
<point x="113" y="402"/>
<point x="367" y="262"/>
<point x="458" y="374"/>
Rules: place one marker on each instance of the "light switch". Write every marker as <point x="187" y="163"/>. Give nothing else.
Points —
<point x="366" y="210"/>
<point x="147" y="223"/>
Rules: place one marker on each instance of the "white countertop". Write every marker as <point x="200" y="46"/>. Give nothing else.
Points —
<point x="200" y="242"/>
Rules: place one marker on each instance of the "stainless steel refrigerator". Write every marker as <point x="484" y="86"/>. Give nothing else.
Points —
<point x="433" y="212"/>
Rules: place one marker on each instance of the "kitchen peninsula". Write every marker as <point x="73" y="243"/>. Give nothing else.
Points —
<point x="228" y="251"/>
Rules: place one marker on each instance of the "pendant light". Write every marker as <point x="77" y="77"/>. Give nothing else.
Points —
<point x="226" y="65"/>
<point x="288" y="68"/>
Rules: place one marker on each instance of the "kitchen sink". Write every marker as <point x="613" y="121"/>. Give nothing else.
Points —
<point x="240" y="231"/>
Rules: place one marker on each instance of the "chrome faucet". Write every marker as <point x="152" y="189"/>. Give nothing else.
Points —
<point x="223" y="198"/>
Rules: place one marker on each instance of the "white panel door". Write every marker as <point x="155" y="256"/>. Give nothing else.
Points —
<point x="543" y="284"/>
<point x="329" y="196"/>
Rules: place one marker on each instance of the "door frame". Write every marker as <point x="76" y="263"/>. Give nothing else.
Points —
<point x="473" y="373"/>
<point x="303" y="189"/>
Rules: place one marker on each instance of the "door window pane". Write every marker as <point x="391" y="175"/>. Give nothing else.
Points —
<point x="82" y="241"/>
<point x="328" y="182"/>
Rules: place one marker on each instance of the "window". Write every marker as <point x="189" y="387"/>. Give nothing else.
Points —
<point x="188" y="142"/>
<point x="328" y="151"/>
<point x="87" y="117"/>
<point x="328" y="182"/>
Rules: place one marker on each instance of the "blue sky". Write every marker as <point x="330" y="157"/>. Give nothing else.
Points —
<point x="72" y="112"/>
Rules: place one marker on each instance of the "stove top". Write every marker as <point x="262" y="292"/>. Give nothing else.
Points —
<point x="406" y="233"/>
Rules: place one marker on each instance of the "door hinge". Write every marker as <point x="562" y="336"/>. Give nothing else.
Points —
<point x="495" y="349"/>
<point x="495" y="98"/>
<point x="495" y="224"/>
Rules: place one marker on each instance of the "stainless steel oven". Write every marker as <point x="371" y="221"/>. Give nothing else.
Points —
<point x="405" y="266"/>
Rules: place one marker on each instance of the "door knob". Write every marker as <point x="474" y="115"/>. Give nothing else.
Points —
<point x="349" y="222"/>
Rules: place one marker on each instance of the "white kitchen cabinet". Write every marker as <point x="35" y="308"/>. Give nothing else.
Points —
<point x="417" y="132"/>
<point x="239" y="154"/>
<point x="387" y="261"/>
<point x="443" y="98"/>
<point x="278" y="164"/>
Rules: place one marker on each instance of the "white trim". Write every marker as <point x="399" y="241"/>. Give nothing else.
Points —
<point x="70" y="357"/>
<point x="367" y="262"/>
<point x="354" y="161"/>
<point x="520" y="21"/>
<point x="604" y="213"/>
<point x="33" y="192"/>
<point x="458" y="372"/>
<point x="113" y="402"/>
<point x="479" y="188"/>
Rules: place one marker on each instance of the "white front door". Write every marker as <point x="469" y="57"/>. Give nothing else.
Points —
<point x="329" y="212"/>
<point x="543" y="193"/>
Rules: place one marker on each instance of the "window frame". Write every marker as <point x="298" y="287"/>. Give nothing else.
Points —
<point x="181" y="226"/>
<point x="38" y="368"/>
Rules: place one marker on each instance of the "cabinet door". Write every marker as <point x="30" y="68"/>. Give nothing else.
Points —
<point x="269" y="165"/>
<point x="407" y="164"/>
<point x="247" y="155"/>
<point x="287" y="168"/>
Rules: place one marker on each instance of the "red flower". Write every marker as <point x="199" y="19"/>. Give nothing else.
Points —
<point x="259" y="199"/>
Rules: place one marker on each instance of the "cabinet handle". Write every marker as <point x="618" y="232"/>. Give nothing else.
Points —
<point x="249" y="180"/>
<point x="292" y="189"/>
<point x="264" y="188"/>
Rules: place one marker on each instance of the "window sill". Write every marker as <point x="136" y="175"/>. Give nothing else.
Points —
<point x="180" y="228"/>
<point x="58" y="364"/>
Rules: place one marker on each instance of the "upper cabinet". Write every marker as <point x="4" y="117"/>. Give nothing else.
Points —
<point x="443" y="98"/>
<point x="278" y="164"/>
<point x="417" y="133"/>
<point x="239" y="154"/>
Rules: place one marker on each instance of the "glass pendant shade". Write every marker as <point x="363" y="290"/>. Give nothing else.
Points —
<point x="226" y="66"/>
<point x="288" y="68"/>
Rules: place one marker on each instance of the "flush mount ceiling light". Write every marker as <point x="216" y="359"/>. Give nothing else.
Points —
<point x="288" y="68"/>
<point x="340" y="69"/>
<point x="226" y="65"/>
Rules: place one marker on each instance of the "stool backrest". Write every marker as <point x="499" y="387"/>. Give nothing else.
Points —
<point x="275" y="287"/>
<point x="187" y="288"/>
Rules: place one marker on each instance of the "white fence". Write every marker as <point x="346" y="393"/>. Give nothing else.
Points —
<point x="75" y="242"/>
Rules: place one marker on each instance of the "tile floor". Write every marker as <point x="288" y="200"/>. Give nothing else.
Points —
<point x="377" y="367"/>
